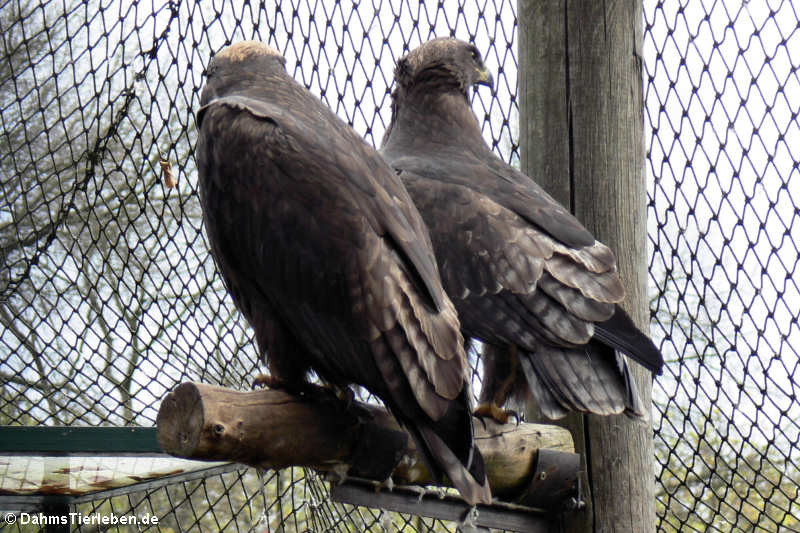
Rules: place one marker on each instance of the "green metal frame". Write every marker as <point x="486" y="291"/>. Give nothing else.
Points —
<point x="16" y="440"/>
<point x="94" y="441"/>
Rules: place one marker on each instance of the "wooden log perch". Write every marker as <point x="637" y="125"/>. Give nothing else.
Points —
<point x="273" y="429"/>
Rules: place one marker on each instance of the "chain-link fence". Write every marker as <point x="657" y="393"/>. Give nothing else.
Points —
<point x="108" y="297"/>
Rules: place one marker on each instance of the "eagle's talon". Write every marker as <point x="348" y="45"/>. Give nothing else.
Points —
<point x="263" y="381"/>
<point x="517" y="417"/>
<point x="302" y="389"/>
<point x="493" y="411"/>
<point x="346" y="396"/>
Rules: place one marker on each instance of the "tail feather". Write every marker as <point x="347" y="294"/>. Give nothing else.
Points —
<point x="469" y="478"/>
<point x="448" y="447"/>
<point x="588" y="380"/>
<point x="634" y="407"/>
<point x="545" y="394"/>
<point x="621" y="333"/>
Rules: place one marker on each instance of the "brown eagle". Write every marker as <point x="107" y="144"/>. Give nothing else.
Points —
<point x="323" y="251"/>
<point x="525" y="276"/>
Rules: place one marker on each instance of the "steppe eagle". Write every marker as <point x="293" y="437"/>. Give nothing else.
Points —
<point x="326" y="256"/>
<point x="526" y="277"/>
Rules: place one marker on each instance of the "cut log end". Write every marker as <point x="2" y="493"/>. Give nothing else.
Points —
<point x="182" y="419"/>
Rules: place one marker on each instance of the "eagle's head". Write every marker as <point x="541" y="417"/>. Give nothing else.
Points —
<point x="445" y="62"/>
<point x="241" y="65"/>
<point x="244" y="52"/>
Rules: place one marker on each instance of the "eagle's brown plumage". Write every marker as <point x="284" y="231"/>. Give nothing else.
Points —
<point x="324" y="253"/>
<point x="521" y="270"/>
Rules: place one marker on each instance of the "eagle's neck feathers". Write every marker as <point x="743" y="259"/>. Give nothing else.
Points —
<point x="435" y="117"/>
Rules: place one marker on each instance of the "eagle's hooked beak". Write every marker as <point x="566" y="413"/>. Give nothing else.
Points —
<point x="484" y="77"/>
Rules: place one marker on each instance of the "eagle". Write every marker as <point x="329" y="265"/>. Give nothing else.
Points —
<point x="324" y="253"/>
<point x="527" y="279"/>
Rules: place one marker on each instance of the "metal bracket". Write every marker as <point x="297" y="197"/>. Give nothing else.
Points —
<point x="554" y="485"/>
<point x="438" y="504"/>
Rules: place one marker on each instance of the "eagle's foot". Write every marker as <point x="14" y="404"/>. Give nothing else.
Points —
<point x="495" y="412"/>
<point x="344" y="395"/>
<point x="338" y="474"/>
<point x="349" y="405"/>
<point x="263" y="381"/>
<point x="295" y="388"/>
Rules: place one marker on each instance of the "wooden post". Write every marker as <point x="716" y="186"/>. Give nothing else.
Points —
<point x="581" y="138"/>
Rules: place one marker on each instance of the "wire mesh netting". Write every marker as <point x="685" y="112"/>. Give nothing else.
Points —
<point x="722" y="99"/>
<point x="108" y="297"/>
<point x="240" y="500"/>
